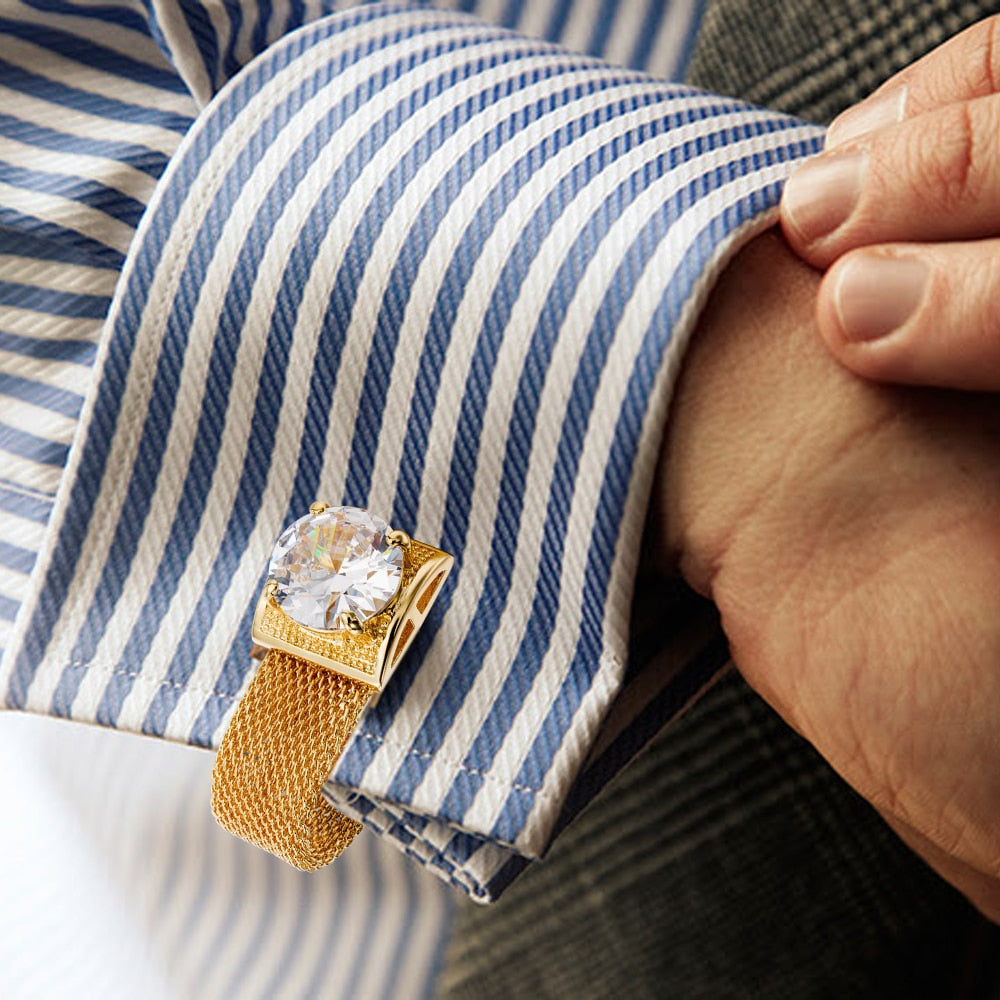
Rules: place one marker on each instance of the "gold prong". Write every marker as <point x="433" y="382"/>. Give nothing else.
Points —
<point x="400" y="538"/>
<point x="318" y="507"/>
<point x="271" y="588"/>
<point x="349" y="620"/>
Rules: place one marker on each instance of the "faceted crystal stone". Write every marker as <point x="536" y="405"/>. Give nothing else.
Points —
<point x="332" y="562"/>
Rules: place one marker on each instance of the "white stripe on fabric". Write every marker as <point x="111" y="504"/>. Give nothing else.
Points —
<point x="23" y="532"/>
<point x="57" y="276"/>
<point x="125" y="179"/>
<point x="31" y="419"/>
<point x="56" y="374"/>
<point x="86" y="124"/>
<point x="46" y="326"/>
<point x="31" y="475"/>
<point x="12" y="582"/>
<point x="39" y="59"/>
<point x="67" y="212"/>
<point x="672" y="44"/>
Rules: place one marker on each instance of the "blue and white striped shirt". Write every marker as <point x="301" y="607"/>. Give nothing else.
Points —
<point x="396" y="257"/>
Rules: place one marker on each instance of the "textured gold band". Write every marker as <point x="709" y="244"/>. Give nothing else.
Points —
<point x="287" y="733"/>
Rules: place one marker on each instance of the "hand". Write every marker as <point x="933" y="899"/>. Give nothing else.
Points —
<point x="849" y="533"/>
<point x="905" y="206"/>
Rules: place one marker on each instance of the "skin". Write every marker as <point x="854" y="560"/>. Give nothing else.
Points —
<point x="849" y="533"/>
<point x="930" y="192"/>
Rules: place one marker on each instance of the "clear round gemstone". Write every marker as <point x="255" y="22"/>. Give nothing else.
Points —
<point x="332" y="562"/>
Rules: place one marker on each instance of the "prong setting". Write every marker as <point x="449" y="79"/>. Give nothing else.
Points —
<point x="350" y="621"/>
<point x="318" y="507"/>
<point x="398" y="538"/>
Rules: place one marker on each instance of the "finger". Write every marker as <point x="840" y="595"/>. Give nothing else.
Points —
<point x="963" y="68"/>
<point x="934" y="178"/>
<point x="922" y="315"/>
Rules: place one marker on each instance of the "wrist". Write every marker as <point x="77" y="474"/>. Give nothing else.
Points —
<point x="743" y="429"/>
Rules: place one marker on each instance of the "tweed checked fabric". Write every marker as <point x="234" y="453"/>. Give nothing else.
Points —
<point x="730" y="861"/>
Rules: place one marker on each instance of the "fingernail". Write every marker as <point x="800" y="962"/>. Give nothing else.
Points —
<point x="820" y="196"/>
<point x="876" y="294"/>
<point x="871" y="114"/>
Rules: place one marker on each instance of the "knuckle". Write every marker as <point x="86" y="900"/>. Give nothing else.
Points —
<point x="951" y="159"/>
<point x="984" y="59"/>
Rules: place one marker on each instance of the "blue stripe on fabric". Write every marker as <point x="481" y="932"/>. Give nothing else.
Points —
<point x="8" y="608"/>
<point x="30" y="446"/>
<point x="22" y="244"/>
<point x="614" y="493"/>
<point x="91" y="193"/>
<point x="234" y="9"/>
<point x="48" y="397"/>
<point x="42" y="496"/>
<point x="602" y="26"/>
<point x="503" y="878"/>
<point x="304" y="913"/>
<point x="559" y="18"/>
<point x="14" y="500"/>
<point x="106" y="410"/>
<point x="79" y="352"/>
<point x="91" y="54"/>
<point x="15" y="557"/>
<point x="237" y="899"/>
<point x="153" y="439"/>
<point x="690" y="37"/>
<point x="436" y="965"/>
<point x="53" y="302"/>
<point x="296" y="15"/>
<point x="137" y="156"/>
<point x="512" y="14"/>
<point x="55" y="92"/>
<point x="264" y="12"/>
<point x="463" y="846"/>
<point x="203" y="35"/>
<point x="643" y="48"/>
<point x="121" y="15"/>
<point x="86" y="248"/>
<point x="494" y="597"/>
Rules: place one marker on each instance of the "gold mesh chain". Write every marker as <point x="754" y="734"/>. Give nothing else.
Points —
<point x="284" y="739"/>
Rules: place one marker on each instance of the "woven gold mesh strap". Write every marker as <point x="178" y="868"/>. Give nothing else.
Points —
<point x="281" y="745"/>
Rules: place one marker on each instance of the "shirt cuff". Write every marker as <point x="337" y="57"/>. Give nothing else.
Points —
<point x="415" y="263"/>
